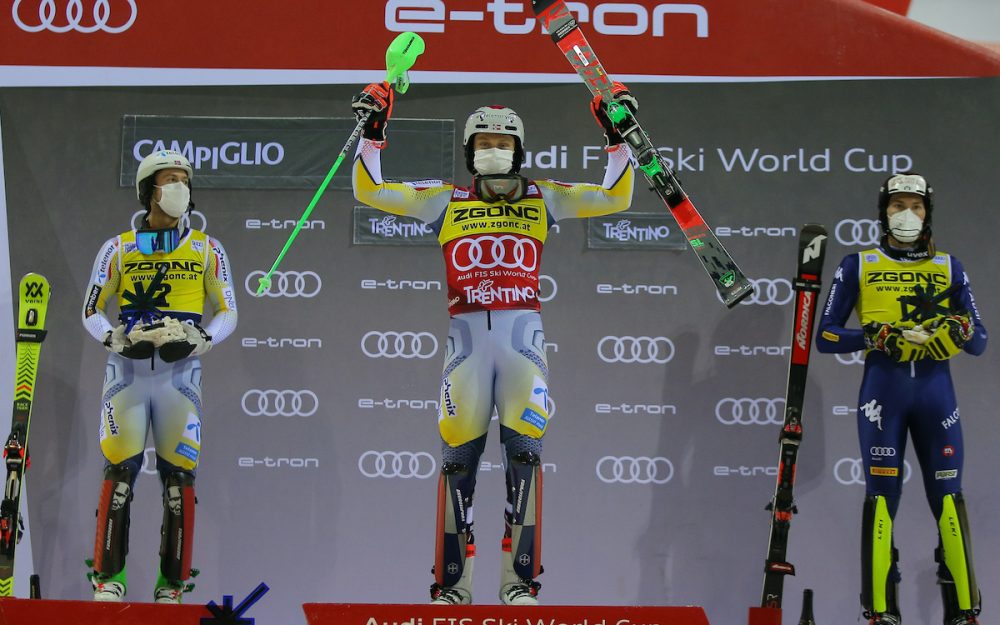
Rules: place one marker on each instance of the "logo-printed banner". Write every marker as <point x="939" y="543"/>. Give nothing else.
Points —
<point x="655" y="231"/>
<point x="373" y="227"/>
<point x="704" y="38"/>
<point x="280" y="152"/>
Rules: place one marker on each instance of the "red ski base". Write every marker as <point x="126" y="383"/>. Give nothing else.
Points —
<point x="47" y="612"/>
<point x="765" y="616"/>
<point x="389" y="614"/>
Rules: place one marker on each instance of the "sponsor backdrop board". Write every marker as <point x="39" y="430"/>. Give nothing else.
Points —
<point x="320" y="443"/>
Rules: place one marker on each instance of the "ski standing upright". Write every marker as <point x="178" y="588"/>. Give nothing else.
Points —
<point x="812" y="248"/>
<point x="34" y="299"/>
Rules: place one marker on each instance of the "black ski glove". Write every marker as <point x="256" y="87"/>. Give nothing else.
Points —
<point x="116" y="342"/>
<point x="377" y="99"/>
<point x="623" y="96"/>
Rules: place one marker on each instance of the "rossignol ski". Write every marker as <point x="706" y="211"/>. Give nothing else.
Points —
<point x="732" y="285"/>
<point x="34" y="300"/>
<point x="812" y="248"/>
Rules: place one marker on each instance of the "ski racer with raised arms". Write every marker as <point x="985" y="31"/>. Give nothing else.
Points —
<point x="491" y="234"/>
<point x="917" y="312"/>
<point x="161" y="274"/>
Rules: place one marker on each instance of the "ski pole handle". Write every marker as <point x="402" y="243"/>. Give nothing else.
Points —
<point x="400" y="56"/>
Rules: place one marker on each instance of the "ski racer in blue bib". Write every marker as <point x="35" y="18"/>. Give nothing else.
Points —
<point x="917" y="312"/>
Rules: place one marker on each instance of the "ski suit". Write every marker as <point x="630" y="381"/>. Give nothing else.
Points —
<point x="899" y="397"/>
<point x="143" y="393"/>
<point x="495" y="354"/>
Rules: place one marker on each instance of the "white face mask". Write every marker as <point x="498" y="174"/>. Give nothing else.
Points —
<point x="905" y="226"/>
<point x="493" y="161"/>
<point x="174" y="198"/>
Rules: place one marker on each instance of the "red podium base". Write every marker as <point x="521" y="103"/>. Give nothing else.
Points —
<point x="395" y="614"/>
<point x="765" y="616"/>
<point x="46" y="612"/>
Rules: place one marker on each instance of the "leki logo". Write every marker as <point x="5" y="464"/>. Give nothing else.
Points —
<point x="608" y="18"/>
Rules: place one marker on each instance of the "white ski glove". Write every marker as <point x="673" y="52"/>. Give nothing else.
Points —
<point x="195" y="343"/>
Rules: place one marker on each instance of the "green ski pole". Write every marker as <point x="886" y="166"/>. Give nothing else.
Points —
<point x="399" y="58"/>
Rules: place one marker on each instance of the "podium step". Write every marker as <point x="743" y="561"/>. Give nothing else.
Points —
<point x="50" y="612"/>
<point x="765" y="616"/>
<point x="400" y="614"/>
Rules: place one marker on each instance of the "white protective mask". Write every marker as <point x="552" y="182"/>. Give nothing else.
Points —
<point x="174" y="198"/>
<point x="493" y="161"/>
<point x="905" y="226"/>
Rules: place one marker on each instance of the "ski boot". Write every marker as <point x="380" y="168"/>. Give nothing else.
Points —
<point x="171" y="592"/>
<point x="513" y="589"/>
<point x="108" y="588"/>
<point x="460" y="593"/>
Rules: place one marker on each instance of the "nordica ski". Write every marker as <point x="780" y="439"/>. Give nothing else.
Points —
<point x="732" y="285"/>
<point x="812" y="248"/>
<point x="34" y="300"/>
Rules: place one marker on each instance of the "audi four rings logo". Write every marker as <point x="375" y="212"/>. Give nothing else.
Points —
<point x="279" y="403"/>
<point x="882" y="452"/>
<point x="489" y="252"/>
<point x="634" y="470"/>
<point x="849" y="471"/>
<point x="397" y="464"/>
<point x="636" y="349"/>
<point x="853" y="358"/>
<point x="766" y="292"/>
<point x="549" y="292"/>
<point x="201" y="224"/>
<point x="399" y="344"/>
<point x="52" y="19"/>
<point x="858" y="232"/>
<point x="286" y="283"/>
<point x="750" y="411"/>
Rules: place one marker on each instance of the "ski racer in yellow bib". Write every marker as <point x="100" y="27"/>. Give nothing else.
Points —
<point x="491" y="234"/>
<point x="917" y="312"/>
<point x="161" y="274"/>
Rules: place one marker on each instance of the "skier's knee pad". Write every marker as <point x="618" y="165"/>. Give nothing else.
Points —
<point x="454" y="540"/>
<point x="524" y="484"/>
<point x="955" y="552"/>
<point x="111" y="542"/>
<point x="177" y="531"/>
<point x="879" y="576"/>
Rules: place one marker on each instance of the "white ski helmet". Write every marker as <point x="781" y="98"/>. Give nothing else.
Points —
<point x="496" y="119"/>
<point x="160" y="159"/>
